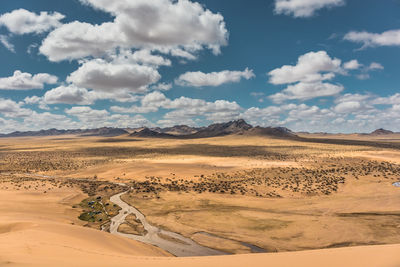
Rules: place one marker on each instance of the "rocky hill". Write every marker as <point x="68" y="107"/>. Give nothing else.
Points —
<point x="146" y="132"/>
<point x="106" y="132"/>
<point x="221" y="129"/>
<point x="381" y="132"/>
<point x="271" y="131"/>
<point x="178" y="130"/>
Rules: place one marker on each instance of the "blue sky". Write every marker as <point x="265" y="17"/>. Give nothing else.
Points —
<point x="309" y="65"/>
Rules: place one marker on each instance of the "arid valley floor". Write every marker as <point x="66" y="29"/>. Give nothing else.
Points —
<point x="311" y="201"/>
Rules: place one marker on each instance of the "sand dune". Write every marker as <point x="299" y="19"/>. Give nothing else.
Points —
<point x="36" y="229"/>
<point x="37" y="249"/>
<point x="41" y="229"/>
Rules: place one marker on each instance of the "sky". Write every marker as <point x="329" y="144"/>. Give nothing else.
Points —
<point x="308" y="65"/>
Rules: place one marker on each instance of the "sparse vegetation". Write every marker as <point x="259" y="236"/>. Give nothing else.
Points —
<point x="276" y="194"/>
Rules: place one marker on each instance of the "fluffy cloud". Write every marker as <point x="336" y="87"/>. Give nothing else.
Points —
<point x="87" y="114"/>
<point x="21" y="21"/>
<point x="26" y="81"/>
<point x="352" y="113"/>
<point x="150" y="103"/>
<point x="367" y="39"/>
<point x="10" y="108"/>
<point x="37" y="121"/>
<point x="304" y="91"/>
<point x="263" y="116"/>
<point x="93" y="118"/>
<point x="304" y="8"/>
<point x="78" y="39"/>
<point x="375" y="66"/>
<point x="389" y="100"/>
<point x="310" y="67"/>
<point x="30" y="100"/>
<point x="306" y="78"/>
<point x="100" y="75"/>
<point x="162" y="86"/>
<point x="353" y="97"/>
<point x="155" y="99"/>
<point x="354" y="104"/>
<point x="199" y="79"/>
<point x="296" y="117"/>
<point x="73" y="95"/>
<point x="134" y="109"/>
<point x="68" y="95"/>
<point x="352" y="65"/>
<point x="145" y="57"/>
<point x="165" y="25"/>
<point x="218" y="111"/>
<point x="184" y="109"/>
<point x="347" y="107"/>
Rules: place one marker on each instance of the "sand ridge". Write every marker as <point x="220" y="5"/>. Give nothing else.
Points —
<point x="370" y="256"/>
<point x="41" y="226"/>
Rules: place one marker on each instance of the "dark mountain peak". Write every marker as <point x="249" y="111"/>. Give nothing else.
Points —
<point x="179" y="130"/>
<point x="241" y="124"/>
<point x="221" y="129"/>
<point x="271" y="131"/>
<point x="232" y="126"/>
<point x="381" y="131"/>
<point x="106" y="132"/>
<point x="146" y="132"/>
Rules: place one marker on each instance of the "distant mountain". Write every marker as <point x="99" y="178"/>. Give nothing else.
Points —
<point x="146" y="132"/>
<point x="49" y="132"/>
<point x="181" y="130"/>
<point x="221" y="129"/>
<point x="271" y="131"/>
<point x="105" y="131"/>
<point x="237" y="127"/>
<point x="177" y="130"/>
<point x="381" y="132"/>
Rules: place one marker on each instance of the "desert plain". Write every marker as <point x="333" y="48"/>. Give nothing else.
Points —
<point x="314" y="200"/>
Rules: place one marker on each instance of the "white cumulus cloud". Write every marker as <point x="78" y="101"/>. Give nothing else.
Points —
<point x="68" y="95"/>
<point x="305" y="91"/>
<point x="99" y="75"/>
<point x="22" y="21"/>
<point x="199" y="79"/>
<point x="347" y="107"/>
<point x="367" y="39"/>
<point x="352" y="65"/>
<point x="166" y="25"/>
<point x="304" y="8"/>
<point x="310" y="67"/>
<point x="10" y="108"/>
<point x="26" y="81"/>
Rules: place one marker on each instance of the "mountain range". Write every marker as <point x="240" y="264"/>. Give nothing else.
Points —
<point x="236" y="127"/>
<point x="104" y="131"/>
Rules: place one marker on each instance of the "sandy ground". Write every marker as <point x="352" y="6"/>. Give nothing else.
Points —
<point x="39" y="229"/>
<point x="283" y="224"/>
<point x="373" y="256"/>
<point x="42" y="229"/>
<point x="36" y="228"/>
